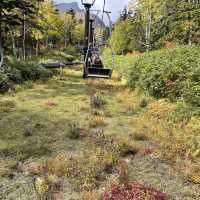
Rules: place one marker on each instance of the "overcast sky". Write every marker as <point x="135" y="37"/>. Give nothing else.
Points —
<point x="113" y="5"/>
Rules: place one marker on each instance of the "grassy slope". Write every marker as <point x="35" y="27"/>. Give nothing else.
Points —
<point x="34" y="139"/>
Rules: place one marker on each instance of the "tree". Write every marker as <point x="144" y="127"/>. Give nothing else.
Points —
<point x="68" y="27"/>
<point x="156" y="22"/>
<point x="12" y="13"/>
<point x="119" y="39"/>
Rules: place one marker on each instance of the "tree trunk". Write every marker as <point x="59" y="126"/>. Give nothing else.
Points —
<point x="1" y="43"/>
<point x="1" y="51"/>
<point x="65" y="43"/>
<point x="37" y="48"/>
<point x="148" y="32"/>
<point x="24" y="39"/>
<point x="47" y="40"/>
<point x="190" y="28"/>
<point x="13" y="44"/>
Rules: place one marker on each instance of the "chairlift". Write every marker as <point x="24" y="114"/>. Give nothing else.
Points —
<point x="93" y="65"/>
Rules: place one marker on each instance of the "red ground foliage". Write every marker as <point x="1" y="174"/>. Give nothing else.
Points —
<point x="133" y="191"/>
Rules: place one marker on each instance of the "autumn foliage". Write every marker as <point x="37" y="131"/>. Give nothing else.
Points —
<point x="133" y="191"/>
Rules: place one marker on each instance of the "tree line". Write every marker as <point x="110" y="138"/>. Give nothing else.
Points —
<point x="153" y="24"/>
<point x="29" y="26"/>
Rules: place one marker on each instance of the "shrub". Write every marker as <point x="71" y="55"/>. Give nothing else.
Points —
<point x="29" y="70"/>
<point x="14" y="75"/>
<point x="17" y="72"/>
<point x="4" y="83"/>
<point x="133" y="191"/>
<point x="172" y="73"/>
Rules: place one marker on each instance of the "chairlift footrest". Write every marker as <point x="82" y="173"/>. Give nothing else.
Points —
<point x="52" y="65"/>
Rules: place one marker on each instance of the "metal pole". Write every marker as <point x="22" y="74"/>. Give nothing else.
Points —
<point x="87" y="26"/>
<point x="91" y="37"/>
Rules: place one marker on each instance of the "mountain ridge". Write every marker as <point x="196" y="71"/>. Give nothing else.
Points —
<point x="79" y="13"/>
<point x="63" y="7"/>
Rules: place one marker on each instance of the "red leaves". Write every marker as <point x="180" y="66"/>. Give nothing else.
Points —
<point x="133" y="191"/>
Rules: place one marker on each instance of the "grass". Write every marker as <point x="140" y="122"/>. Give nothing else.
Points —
<point x="78" y="133"/>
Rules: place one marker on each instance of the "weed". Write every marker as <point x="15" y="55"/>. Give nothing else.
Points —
<point x="123" y="172"/>
<point x="126" y="147"/>
<point x="76" y="131"/>
<point x="96" y="121"/>
<point x="98" y="101"/>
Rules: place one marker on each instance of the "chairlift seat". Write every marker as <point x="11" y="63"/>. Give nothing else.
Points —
<point x="73" y="63"/>
<point x="94" y="72"/>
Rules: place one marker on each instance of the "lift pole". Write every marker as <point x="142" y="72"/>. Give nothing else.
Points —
<point x="87" y="27"/>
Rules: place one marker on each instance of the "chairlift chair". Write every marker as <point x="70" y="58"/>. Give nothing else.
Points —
<point x="94" y="68"/>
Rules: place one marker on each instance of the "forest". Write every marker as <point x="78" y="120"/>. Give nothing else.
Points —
<point x="94" y="109"/>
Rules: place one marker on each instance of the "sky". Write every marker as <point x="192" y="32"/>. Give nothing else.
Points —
<point x="113" y="5"/>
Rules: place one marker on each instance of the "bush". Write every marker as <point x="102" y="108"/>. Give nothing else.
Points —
<point x="29" y="70"/>
<point x="172" y="73"/>
<point x="4" y="83"/>
<point x="133" y="191"/>
<point x="18" y="72"/>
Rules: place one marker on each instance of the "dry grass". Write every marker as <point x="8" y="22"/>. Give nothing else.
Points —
<point x="91" y="195"/>
<point x="122" y="128"/>
<point x="192" y="172"/>
<point x="82" y="171"/>
<point x="96" y="121"/>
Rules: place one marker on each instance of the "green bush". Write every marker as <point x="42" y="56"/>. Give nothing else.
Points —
<point x="172" y="73"/>
<point x="52" y="55"/>
<point x="4" y="82"/>
<point x="17" y="72"/>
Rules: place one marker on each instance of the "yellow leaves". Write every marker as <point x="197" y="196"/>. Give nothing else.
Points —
<point x="187" y="25"/>
<point x="41" y="186"/>
<point x="192" y="172"/>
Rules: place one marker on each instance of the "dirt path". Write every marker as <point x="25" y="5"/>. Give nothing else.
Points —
<point x="34" y="124"/>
